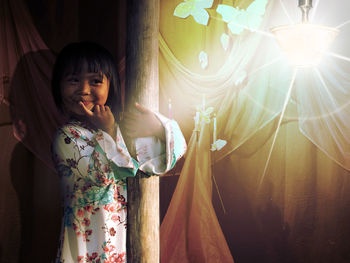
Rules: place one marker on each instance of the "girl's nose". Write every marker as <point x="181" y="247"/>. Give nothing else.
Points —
<point x="84" y="88"/>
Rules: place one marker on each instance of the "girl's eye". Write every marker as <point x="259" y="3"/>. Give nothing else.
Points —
<point x="96" y="81"/>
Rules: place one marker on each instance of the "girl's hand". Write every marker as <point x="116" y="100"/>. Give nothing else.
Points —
<point x="101" y="117"/>
<point x="142" y="123"/>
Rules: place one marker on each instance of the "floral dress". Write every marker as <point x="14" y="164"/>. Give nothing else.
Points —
<point x="93" y="168"/>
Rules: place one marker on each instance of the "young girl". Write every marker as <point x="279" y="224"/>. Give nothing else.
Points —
<point x="91" y="157"/>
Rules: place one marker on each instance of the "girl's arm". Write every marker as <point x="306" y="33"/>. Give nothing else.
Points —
<point x="159" y="140"/>
<point x="157" y="156"/>
<point x="142" y="123"/>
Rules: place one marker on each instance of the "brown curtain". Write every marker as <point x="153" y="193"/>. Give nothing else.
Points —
<point x="30" y="190"/>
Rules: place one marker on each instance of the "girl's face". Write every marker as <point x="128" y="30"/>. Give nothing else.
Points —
<point x="89" y="88"/>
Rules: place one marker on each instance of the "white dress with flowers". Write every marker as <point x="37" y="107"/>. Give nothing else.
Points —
<point x="93" y="168"/>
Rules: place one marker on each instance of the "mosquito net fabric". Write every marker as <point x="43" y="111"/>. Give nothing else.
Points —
<point x="244" y="104"/>
<point x="248" y="82"/>
<point x="190" y="231"/>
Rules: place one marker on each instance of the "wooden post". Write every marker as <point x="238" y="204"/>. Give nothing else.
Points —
<point x="142" y="83"/>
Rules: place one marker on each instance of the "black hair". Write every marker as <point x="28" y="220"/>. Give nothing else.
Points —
<point x="71" y="59"/>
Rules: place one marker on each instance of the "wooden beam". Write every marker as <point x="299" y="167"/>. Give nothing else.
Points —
<point x="142" y="81"/>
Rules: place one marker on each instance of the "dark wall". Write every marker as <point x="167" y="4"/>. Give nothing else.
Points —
<point x="30" y="209"/>
<point x="62" y="21"/>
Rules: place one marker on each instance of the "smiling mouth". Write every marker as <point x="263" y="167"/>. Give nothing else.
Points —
<point x="86" y="103"/>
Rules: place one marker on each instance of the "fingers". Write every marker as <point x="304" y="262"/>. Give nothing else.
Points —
<point x="131" y="116"/>
<point x="97" y="109"/>
<point x="86" y="110"/>
<point x="101" y="110"/>
<point x="136" y="115"/>
<point x="141" y="108"/>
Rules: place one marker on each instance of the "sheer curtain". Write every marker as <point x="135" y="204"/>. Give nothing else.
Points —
<point x="25" y="67"/>
<point x="306" y="185"/>
<point x="247" y="106"/>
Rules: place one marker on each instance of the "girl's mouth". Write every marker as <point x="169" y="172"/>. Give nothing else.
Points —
<point x="86" y="103"/>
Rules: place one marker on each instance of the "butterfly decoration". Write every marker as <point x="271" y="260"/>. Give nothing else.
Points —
<point x="218" y="145"/>
<point x="205" y="114"/>
<point x="203" y="59"/>
<point x="225" y="41"/>
<point x="239" y="19"/>
<point x="195" y="8"/>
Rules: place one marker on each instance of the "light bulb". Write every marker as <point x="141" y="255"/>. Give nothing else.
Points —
<point x="304" y="44"/>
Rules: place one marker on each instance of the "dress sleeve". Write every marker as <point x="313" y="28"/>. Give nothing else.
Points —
<point x="157" y="157"/>
<point x="67" y="156"/>
<point x="93" y="155"/>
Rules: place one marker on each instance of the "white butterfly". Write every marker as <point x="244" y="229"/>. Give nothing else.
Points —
<point x="239" y="19"/>
<point x="195" y="8"/>
<point x="203" y="59"/>
<point x="225" y="41"/>
<point x="217" y="146"/>
<point x="205" y="115"/>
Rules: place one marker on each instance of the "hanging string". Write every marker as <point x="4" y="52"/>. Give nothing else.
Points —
<point x="278" y="127"/>
<point x="219" y="194"/>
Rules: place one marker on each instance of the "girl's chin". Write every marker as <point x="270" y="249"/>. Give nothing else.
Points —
<point x="77" y="109"/>
<point x="76" y="112"/>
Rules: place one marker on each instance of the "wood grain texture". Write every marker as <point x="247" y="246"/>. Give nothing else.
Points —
<point x="142" y="86"/>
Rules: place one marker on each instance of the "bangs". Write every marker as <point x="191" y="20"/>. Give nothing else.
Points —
<point x="74" y="66"/>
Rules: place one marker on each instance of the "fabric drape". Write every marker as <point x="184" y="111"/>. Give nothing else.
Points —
<point x="306" y="184"/>
<point x="190" y="231"/>
<point x="25" y="69"/>
<point x="25" y="74"/>
<point x="247" y="106"/>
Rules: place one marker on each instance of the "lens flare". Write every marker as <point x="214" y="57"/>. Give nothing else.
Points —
<point x="304" y="44"/>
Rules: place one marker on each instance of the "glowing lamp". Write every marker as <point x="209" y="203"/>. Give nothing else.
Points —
<point x="304" y="43"/>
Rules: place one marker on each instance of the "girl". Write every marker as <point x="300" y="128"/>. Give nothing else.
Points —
<point x="91" y="157"/>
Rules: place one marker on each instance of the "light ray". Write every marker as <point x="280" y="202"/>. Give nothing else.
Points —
<point x="338" y="56"/>
<point x="329" y="113"/>
<point x="342" y="24"/>
<point x="278" y="126"/>
<point x="286" y="12"/>
<point x="220" y="197"/>
<point x="265" y="65"/>
<point x="318" y="73"/>
<point x="313" y="10"/>
<point x="337" y="108"/>
<point x="262" y="33"/>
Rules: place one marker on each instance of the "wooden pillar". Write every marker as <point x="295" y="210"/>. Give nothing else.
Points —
<point x="142" y="83"/>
